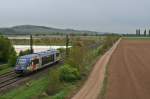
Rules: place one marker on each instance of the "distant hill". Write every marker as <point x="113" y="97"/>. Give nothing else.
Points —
<point x="27" y="29"/>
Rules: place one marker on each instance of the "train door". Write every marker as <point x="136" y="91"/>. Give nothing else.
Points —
<point x="52" y="58"/>
<point x="57" y="56"/>
<point x="35" y="63"/>
<point x="40" y="62"/>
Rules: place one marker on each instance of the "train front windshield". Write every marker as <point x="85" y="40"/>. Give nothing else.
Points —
<point x="22" y="62"/>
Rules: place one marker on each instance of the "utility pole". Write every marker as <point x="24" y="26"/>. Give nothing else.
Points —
<point x="31" y="44"/>
<point x="67" y="44"/>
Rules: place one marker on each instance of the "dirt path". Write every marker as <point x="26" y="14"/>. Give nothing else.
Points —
<point x="92" y="87"/>
<point x="129" y="71"/>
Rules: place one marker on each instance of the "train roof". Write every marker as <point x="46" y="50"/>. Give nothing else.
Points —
<point x="29" y="55"/>
<point x="43" y="53"/>
<point x="48" y="52"/>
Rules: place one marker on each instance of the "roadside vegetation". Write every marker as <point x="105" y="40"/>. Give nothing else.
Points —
<point x="63" y="81"/>
<point x="102" y="93"/>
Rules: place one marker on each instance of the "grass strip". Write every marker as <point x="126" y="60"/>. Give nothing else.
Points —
<point x="102" y="94"/>
<point x="137" y="38"/>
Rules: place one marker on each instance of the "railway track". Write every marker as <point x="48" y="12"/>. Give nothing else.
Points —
<point x="2" y="65"/>
<point x="8" y="78"/>
<point x="7" y="83"/>
<point x="6" y="74"/>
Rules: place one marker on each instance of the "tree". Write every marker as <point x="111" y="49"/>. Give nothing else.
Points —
<point x="5" y="49"/>
<point x="12" y="59"/>
<point x="7" y="52"/>
<point x="67" y="44"/>
<point x="145" y="32"/>
<point x="139" y="32"/>
<point x="136" y="32"/>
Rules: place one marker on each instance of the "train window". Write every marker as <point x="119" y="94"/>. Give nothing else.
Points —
<point x="57" y="54"/>
<point x="47" y="59"/>
<point x="52" y="57"/>
<point x="21" y="61"/>
<point x="35" y="61"/>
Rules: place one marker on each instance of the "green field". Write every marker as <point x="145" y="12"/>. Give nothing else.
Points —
<point x="137" y="38"/>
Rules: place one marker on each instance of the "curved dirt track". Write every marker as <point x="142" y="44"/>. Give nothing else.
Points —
<point x="129" y="71"/>
<point x="92" y="86"/>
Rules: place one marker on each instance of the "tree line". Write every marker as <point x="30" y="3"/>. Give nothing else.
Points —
<point x="138" y="32"/>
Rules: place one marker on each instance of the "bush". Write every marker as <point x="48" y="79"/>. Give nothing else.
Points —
<point x="69" y="74"/>
<point x="108" y="41"/>
<point x="76" y="56"/>
<point x="54" y="82"/>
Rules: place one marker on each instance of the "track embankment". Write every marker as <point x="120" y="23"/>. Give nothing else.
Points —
<point x="129" y="71"/>
<point x="93" y="85"/>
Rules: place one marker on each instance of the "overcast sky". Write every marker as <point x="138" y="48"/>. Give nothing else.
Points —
<point x="122" y="16"/>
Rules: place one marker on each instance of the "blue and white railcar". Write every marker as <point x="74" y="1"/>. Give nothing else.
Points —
<point x="35" y="61"/>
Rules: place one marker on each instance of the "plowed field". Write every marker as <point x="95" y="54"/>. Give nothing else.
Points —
<point x="129" y="71"/>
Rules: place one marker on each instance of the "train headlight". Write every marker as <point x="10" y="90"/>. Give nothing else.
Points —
<point x="22" y="67"/>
